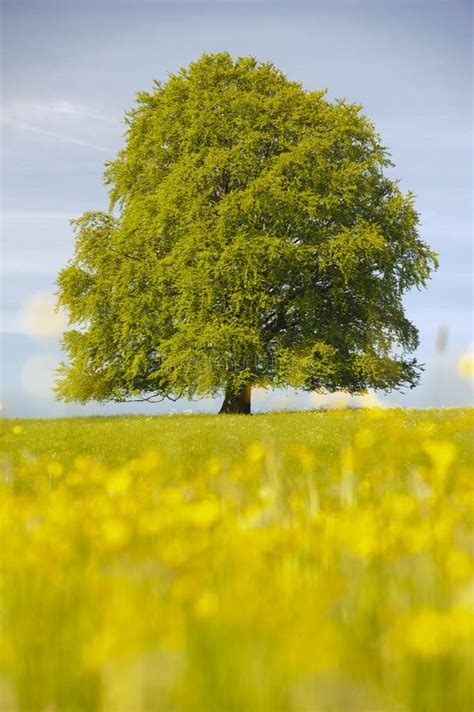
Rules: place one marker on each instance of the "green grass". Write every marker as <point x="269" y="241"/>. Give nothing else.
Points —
<point x="183" y="438"/>
<point x="289" y="562"/>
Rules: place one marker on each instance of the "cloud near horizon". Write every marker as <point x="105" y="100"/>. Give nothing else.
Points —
<point x="40" y="318"/>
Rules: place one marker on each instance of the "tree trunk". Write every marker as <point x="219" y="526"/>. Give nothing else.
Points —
<point x="237" y="402"/>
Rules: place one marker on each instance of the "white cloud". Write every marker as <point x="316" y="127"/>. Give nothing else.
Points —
<point x="38" y="375"/>
<point x="39" y="318"/>
<point x="259" y="396"/>
<point x="68" y="108"/>
<point x="341" y="400"/>
<point x="368" y="400"/>
<point x="35" y="215"/>
<point x="40" y="111"/>
<point x="60" y="120"/>
<point x="293" y="399"/>
<point x="56" y="135"/>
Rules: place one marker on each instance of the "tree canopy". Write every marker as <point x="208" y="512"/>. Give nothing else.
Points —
<point x="253" y="238"/>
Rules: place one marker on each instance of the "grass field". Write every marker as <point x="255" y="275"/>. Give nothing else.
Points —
<point x="317" y="562"/>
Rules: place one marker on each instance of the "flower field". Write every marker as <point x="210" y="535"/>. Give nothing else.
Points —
<point x="317" y="562"/>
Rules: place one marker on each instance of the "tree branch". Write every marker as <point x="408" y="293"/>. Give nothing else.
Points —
<point x="123" y="254"/>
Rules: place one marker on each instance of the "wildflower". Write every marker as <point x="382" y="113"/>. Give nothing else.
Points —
<point x="256" y="452"/>
<point x="116" y="532"/>
<point x="466" y="365"/>
<point x="426" y="633"/>
<point x="307" y="458"/>
<point x="55" y="469"/>
<point x="171" y="496"/>
<point x="204" y="513"/>
<point x="459" y="565"/>
<point x="149" y="461"/>
<point x="347" y="488"/>
<point x="118" y="482"/>
<point x="364" y="439"/>
<point x="206" y="605"/>
<point x="441" y="453"/>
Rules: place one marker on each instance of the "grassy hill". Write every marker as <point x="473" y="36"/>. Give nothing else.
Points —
<point x="314" y="561"/>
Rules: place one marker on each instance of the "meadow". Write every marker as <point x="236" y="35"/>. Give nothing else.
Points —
<point x="306" y="562"/>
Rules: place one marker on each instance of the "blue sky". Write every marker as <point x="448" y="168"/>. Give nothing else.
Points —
<point x="72" y="68"/>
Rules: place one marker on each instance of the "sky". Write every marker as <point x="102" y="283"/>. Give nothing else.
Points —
<point x="70" y="71"/>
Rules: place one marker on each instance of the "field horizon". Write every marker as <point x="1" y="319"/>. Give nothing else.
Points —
<point x="129" y="433"/>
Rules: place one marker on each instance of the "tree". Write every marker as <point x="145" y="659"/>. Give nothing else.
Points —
<point x="252" y="239"/>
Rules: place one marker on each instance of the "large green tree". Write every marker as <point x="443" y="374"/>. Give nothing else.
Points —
<point x="252" y="239"/>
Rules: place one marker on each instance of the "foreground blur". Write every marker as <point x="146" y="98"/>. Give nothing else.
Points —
<point x="283" y="580"/>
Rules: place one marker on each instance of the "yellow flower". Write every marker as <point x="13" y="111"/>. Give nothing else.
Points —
<point x="418" y="538"/>
<point x="118" y="482"/>
<point x="347" y="488"/>
<point x="363" y="537"/>
<point x="17" y="429"/>
<point x="55" y="469"/>
<point x="98" y="649"/>
<point x="149" y="461"/>
<point x="150" y="522"/>
<point x="466" y="365"/>
<point x="364" y="439"/>
<point x="442" y="454"/>
<point x="204" y="513"/>
<point x="400" y="506"/>
<point x="307" y="458"/>
<point x="460" y="624"/>
<point x="116" y="532"/>
<point x="256" y="452"/>
<point x="427" y="633"/>
<point x="171" y="496"/>
<point x="173" y="553"/>
<point x="430" y="632"/>
<point x="206" y="605"/>
<point x="213" y="466"/>
<point x="458" y="565"/>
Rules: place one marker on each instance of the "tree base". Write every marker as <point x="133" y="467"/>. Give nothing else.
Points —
<point x="237" y="403"/>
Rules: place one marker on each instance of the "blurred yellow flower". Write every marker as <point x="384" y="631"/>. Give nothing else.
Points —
<point x="364" y="439"/>
<point x="427" y="633"/>
<point x="149" y="461"/>
<point x="171" y="496"/>
<point x="55" y="469"/>
<point x="432" y="632"/>
<point x="116" y="532"/>
<point x="204" y="513"/>
<point x="466" y="365"/>
<point x="206" y="604"/>
<point x="441" y="453"/>
<point x="97" y="650"/>
<point x="307" y="458"/>
<point x="339" y="557"/>
<point x="459" y="565"/>
<point x="256" y="452"/>
<point x="118" y="482"/>
<point x="362" y="535"/>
